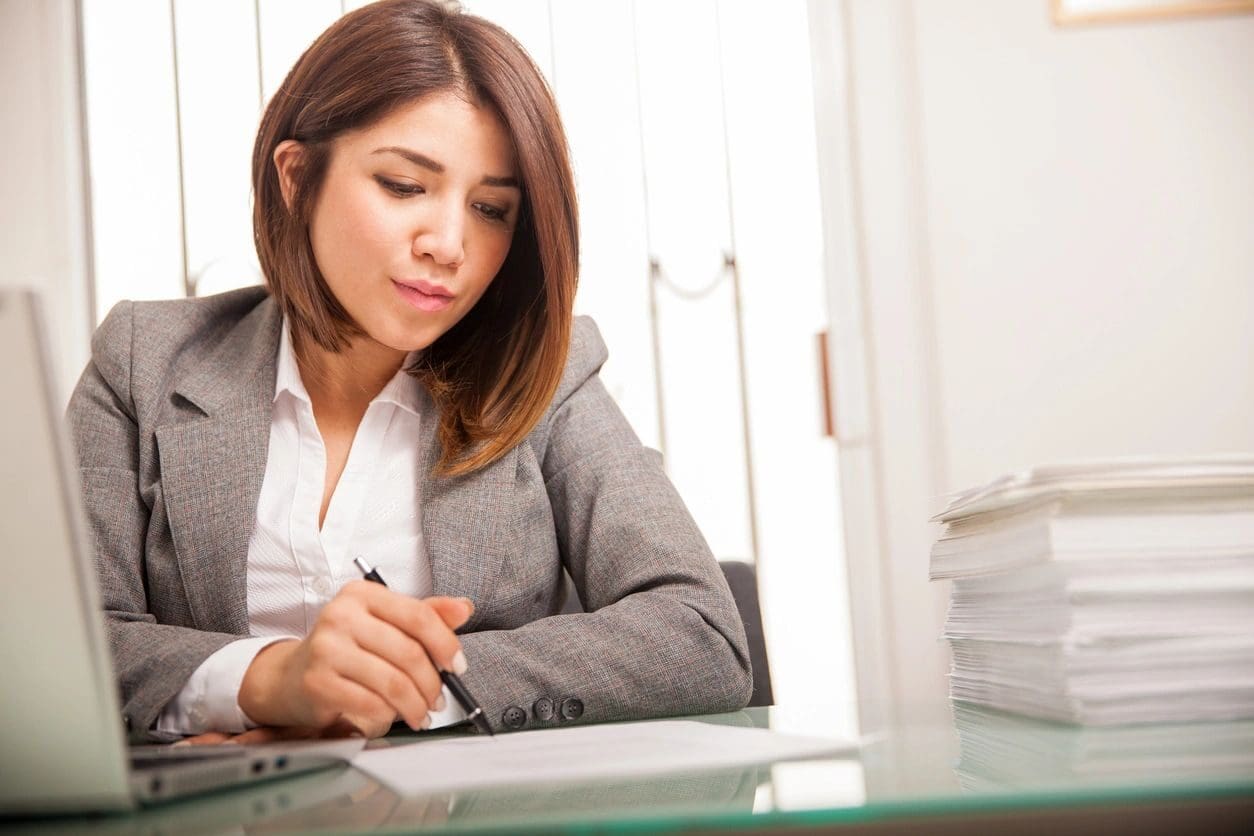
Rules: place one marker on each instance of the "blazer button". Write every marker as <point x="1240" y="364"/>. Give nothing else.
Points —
<point x="514" y="717"/>
<point x="543" y="709"/>
<point x="571" y="708"/>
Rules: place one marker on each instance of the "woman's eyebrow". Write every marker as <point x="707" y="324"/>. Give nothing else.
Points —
<point x="431" y="165"/>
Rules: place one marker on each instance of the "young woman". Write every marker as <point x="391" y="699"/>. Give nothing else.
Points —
<point x="409" y="388"/>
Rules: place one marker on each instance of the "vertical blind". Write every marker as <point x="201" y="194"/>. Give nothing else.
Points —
<point x="692" y="134"/>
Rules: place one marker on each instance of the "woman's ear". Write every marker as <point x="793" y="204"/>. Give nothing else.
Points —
<point x="287" y="159"/>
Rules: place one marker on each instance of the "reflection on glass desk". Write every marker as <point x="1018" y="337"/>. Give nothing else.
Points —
<point x="1004" y="752"/>
<point x="972" y="769"/>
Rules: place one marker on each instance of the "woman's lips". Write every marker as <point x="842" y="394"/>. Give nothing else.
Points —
<point x="423" y="295"/>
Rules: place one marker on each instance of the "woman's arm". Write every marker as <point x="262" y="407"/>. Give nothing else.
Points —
<point x="662" y="635"/>
<point x="152" y="661"/>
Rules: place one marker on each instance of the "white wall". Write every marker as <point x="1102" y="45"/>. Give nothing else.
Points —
<point x="1090" y="205"/>
<point x="43" y="234"/>
<point x="1050" y="236"/>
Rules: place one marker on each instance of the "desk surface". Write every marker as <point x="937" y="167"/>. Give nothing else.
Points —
<point x="972" y="764"/>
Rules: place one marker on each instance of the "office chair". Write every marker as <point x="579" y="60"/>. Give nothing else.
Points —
<point x="743" y="582"/>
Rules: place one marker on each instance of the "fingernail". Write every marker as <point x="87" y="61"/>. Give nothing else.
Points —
<point x="180" y="743"/>
<point x="470" y="605"/>
<point x="426" y="723"/>
<point x="459" y="663"/>
<point x="439" y="703"/>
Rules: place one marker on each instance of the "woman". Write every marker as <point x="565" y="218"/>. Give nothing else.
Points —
<point x="409" y="388"/>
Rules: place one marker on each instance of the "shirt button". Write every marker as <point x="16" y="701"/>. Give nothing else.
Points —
<point x="543" y="709"/>
<point x="514" y="717"/>
<point x="322" y="586"/>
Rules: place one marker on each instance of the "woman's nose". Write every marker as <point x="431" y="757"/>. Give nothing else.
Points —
<point x="441" y="236"/>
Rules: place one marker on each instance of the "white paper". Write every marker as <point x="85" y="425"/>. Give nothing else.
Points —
<point x="1182" y="476"/>
<point x="598" y="752"/>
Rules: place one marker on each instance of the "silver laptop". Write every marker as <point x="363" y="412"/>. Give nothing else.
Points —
<point x="62" y="745"/>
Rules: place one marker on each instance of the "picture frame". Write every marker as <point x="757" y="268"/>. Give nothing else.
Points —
<point x="1081" y="12"/>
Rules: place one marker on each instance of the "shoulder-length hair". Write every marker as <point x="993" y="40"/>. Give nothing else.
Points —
<point x="494" y="373"/>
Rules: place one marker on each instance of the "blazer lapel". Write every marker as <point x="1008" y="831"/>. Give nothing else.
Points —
<point x="466" y="522"/>
<point x="212" y="468"/>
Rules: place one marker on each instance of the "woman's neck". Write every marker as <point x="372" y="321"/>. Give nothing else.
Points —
<point x="348" y="380"/>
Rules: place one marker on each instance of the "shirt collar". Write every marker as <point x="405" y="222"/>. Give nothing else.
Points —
<point x="287" y="375"/>
<point x="402" y="390"/>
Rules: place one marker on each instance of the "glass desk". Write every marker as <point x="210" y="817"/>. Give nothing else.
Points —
<point x="970" y="770"/>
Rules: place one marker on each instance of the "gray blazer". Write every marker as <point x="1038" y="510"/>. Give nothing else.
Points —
<point x="171" y="420"/>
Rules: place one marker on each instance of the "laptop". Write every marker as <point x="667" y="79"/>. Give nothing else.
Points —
<point x="62" y="743"/>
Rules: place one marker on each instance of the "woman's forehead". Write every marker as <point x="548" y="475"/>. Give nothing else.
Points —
<point x="443" y="127"/>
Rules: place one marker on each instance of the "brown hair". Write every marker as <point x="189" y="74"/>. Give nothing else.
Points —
<point x="494" y="373"/>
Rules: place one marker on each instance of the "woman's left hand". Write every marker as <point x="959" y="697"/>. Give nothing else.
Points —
<point x="271" y="734"/>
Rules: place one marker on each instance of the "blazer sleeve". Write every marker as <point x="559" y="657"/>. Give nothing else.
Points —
<point x="152" y="661"/>
<point x="661" y="635"/>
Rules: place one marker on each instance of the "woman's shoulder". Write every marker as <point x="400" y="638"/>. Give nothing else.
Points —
<point x="163" y="327"/>
<point x="584" y="359"/>
<point x="580" y="396"/>
<point x="158" y="321"/>
<point x="151" y="344"/>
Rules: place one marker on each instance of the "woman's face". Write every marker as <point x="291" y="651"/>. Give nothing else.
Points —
<point x="415" y="216"/>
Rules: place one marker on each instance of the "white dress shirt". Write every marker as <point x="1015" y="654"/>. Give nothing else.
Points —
<point x="295" y="568"/>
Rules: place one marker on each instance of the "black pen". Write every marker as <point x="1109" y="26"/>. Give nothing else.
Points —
<point x="474" y="713"/>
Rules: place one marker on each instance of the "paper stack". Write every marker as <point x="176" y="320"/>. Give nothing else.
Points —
<point x="1105" y="592"/>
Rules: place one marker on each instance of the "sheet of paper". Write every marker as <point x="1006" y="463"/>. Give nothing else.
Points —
<point x="611" y="750"/>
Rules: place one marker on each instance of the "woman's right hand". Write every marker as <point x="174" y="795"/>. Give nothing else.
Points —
<point x="372" y="656"/>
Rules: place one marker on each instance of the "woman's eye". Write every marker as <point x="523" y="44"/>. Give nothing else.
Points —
<point x="492" y="213"/>
<point x="399" y="189"/>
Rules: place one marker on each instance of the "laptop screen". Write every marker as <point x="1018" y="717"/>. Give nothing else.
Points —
<point x="60" y="726"/>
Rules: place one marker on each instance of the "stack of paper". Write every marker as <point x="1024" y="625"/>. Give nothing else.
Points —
<point x="1105" y="592"/>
